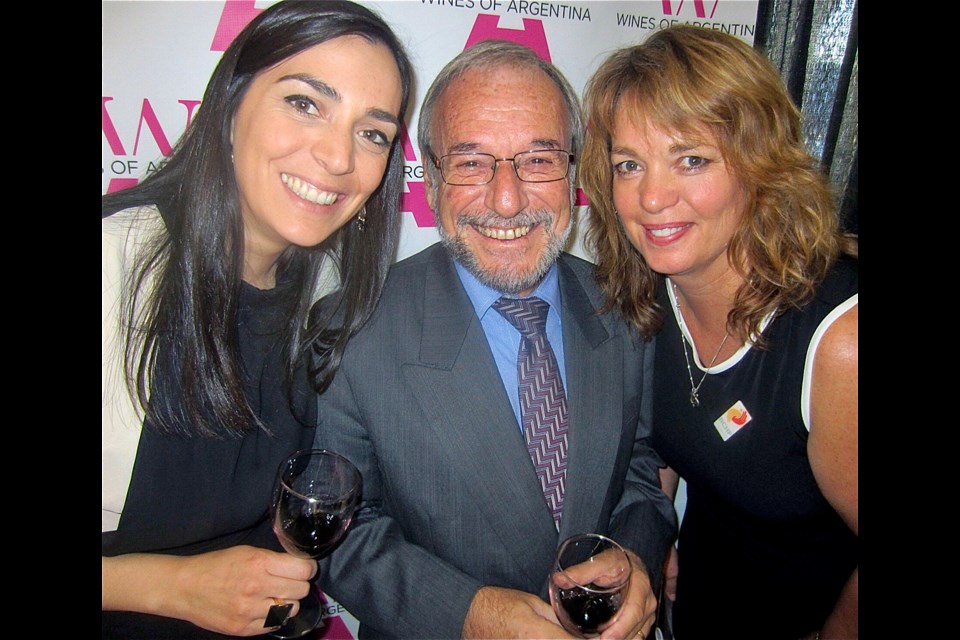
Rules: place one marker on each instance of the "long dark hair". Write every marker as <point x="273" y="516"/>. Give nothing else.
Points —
<point x="180" y="304"/>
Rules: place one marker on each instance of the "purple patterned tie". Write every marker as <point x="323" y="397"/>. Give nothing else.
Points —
<point x="543" y="402"/>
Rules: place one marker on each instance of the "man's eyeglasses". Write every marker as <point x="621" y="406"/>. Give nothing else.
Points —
<point x="470" y="169"/>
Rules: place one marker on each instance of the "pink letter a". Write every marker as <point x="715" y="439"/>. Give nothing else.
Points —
<point x="487" y="27"/>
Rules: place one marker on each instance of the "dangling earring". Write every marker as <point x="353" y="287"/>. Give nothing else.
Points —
<point x="362" y="220"/>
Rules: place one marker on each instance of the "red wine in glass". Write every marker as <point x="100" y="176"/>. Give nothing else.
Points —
<point x="306" y="533"/>
<point x="587" y="587"/>
<point x="587" y="608"/>
<point x="316" y="495"/>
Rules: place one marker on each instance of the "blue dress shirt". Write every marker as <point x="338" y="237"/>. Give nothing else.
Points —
<point x="503" y="337"/>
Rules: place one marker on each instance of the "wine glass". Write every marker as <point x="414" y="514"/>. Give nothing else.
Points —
<point x="589" y="582"/>
<point x="316" y="494"/>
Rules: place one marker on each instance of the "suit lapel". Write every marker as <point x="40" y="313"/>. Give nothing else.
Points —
<point x="594" y="370"/>
<point x="459" y="389"/>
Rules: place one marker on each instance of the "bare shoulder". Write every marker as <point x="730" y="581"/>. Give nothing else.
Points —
<point x="833" y="446"/>
<point x="836" y="374"/>
<point x="838" y="349"/>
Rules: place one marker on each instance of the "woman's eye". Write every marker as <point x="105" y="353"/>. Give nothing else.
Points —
<point x="376" y="136"/>
<point x="303" y="104"/>
<point x="625" y="167"/>
<point x="693" y="162"/>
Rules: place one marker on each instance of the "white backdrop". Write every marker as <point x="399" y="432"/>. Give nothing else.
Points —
<point x="158" y="55"/>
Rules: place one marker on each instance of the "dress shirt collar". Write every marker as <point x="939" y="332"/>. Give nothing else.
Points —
<point x="482" y="297"/>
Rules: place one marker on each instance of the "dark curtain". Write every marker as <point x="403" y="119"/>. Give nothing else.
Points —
<point x="814" y="44"/>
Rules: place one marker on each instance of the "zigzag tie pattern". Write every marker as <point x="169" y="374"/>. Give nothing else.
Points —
<point x="543" y="402"/>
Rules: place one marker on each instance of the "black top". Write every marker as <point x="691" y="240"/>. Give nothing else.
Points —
<point x="192" y="495"/>
<point x="762" y="553"/>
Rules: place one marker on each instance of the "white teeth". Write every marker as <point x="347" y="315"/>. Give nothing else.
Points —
<point x="307" y="191"/>
<point x="504" y="234"/>
<point x="663" y="233"/>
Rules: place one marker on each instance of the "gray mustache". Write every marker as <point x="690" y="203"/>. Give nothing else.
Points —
<point x="486" y="219"/>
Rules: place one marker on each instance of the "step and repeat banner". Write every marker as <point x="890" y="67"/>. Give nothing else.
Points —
<point x="158" y="55"/>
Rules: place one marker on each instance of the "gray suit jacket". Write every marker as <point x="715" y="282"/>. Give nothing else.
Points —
<point x="451" y="501"/>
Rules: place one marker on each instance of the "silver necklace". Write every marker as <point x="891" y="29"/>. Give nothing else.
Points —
<point x="694" y="388"/>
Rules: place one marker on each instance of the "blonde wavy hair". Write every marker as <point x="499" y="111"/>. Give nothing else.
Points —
<point x="687" y="79"/>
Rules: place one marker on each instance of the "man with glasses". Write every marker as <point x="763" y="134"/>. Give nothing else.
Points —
<point x="491" y="408"/>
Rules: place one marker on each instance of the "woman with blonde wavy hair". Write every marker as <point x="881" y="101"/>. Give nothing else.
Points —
<point x="715" y="230"/>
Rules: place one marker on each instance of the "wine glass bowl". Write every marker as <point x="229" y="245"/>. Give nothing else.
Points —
<point x="316" y="494"/>
<point x="589" y="582"/>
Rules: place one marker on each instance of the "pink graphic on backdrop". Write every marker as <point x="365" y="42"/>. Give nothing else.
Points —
<point x="408" y="153"/>
<point x="147" y="116"/>
<point x="415" y="201"/>
<point x="487" y="27"/>
<point x="334" y="628"/>
<point x="236" y="14"/>
<point x="698" y="7"/>
<point x="119" y="184"/>
<point x="110" y="131"/>
<point x="190" y="105"/>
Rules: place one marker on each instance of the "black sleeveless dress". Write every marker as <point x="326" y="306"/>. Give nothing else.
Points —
<point x="191" y="495"/>
<point x="762" y="554"/>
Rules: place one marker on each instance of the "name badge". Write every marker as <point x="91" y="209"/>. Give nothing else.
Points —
<point x="732" y="420"/>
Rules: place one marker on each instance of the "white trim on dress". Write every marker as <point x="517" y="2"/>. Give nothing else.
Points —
<point x="827" y="322"/>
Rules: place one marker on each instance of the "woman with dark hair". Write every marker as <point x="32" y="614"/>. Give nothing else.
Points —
<point x="714" y="229"/>
<point x="214" y="343"/>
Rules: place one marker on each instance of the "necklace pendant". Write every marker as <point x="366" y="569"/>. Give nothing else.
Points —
<point x="694" y="398"/>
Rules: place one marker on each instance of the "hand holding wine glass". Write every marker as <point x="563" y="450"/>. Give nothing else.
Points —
<point x="589" y="583"/>
<point x="316" y="495"/>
